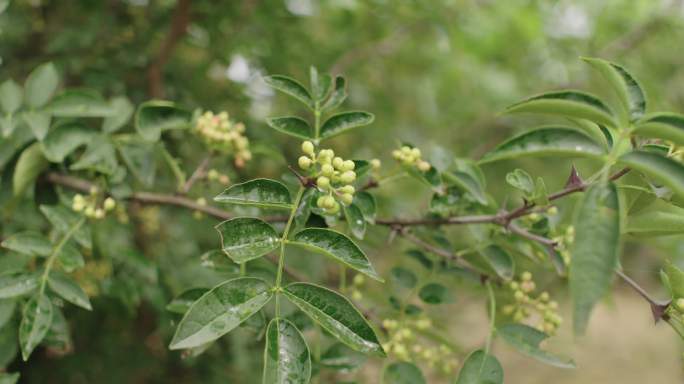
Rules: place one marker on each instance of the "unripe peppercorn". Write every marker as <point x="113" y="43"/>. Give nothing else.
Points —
<point x="680" y="304"/>
<point x="347" y="198"/>
<point x="334" y="209"/>
<point x="375" y="163"/>
<point x="337" y="162"/>
<point x="99" y="213"/>
<point x="308" y="147"/>
<point x="526" y="276"/>
<point x="348" y="177"/>
<point x="90" y="211"/>
<point x="347" y="189"/>
<point x="323" y="182"/>
<point x="359" y="280"/>
<point x="327" y="170"/>
<point x="424" y="166"/>
<point x="109" y="204"/>
<point x="304" y="162"/>
<point x="212" y="174"/>
<point x="348" y="165"/>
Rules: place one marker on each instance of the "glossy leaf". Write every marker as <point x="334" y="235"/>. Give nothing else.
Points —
<point x="337" y="246"/>
<point x="657" y="221"/>
<point x="17" y="284"/>
<point x="291" y="87"/>
<point x="263" y="193"/>
<point x="286" y="357"/>
<point x="291" y="125"/>
<point x="221" y="310"/>
<point x="219" y="261"/>
<point x="480" y="368"/>
<point x="181" y="303"/>
<point x="519" y="179"/>
<point x="6" y="311"/>
<point x="11" y="95"/>
<point x="355" y="221"/>
<point x="38" y="122"/>
<point x="79" y="103"/>
<point x="338" y="95"/>
<point x="99" y="156"/>
<point x="403" y="277"/>
<point x="35" y="323"/>
<point x="629" y="92"/>
<point x="573" y="104"/>
<point x="402" y="373"/>
<point x="342" y="122"/>
<point x="365" y="201"/>
<point x="666" y="126"/>
<point x="544" y="142"/>
<point x="342" y="358"/>
<point x="596" y="250"/>
<point x="434" y="293"/>
<point x="675" y="279"/>
<point x="467" y="183"/>
<point x="154" y="117"/>
<point x="40" y="85"/>
<point x="122" y="110"/>
<point x="246" y="238"/>
<point x="63" y="219"/>
<point x="527" y="339"/>
<point x="336" y="314"/>
<point x="64" y="139"/>
<point x="320" y="84"/>
<point x="30" y="164"/>
<point x="28" y="243"/>
<point x="661" y="168"/>
<point x="68" y="289"/>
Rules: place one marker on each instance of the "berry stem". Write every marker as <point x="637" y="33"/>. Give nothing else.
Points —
<point x="283" y="239"/>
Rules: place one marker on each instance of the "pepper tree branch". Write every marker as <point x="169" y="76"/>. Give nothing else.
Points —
<point x="199" y="173"/>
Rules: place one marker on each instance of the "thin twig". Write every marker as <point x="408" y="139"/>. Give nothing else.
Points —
<point x="199" y="173"/>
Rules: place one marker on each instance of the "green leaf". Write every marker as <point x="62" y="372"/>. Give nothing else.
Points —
<point x="154" y="117"/>
<point x="365" y="201"/>
<point x="336" y="314"/>
<point x="339" y="94"/>
<point x="355" y="220"/>
<point x="657" y="221"/>
<point x="221" y="310"/>
<point x="38" y="122"/>
<point x="181" y="303"/>
<point x="35" y="323"/>
<point x="675" y="278"/>
<point x="286" y="357"/>
<point x="40" y="85"/>
<point x="9" y="146"/>
<point x="99" y="156"/>
<point x="495" y="259"/>
<point x="63" y="219"/>
<point x="245" y="238"/>
<point x="79" y="103"/>
<point x="320" y="84"/>
<point x="64" y="139"/>
<point x="341" y="358"/>
<point x="467" y="183"/>
<point x="58" y="336"/>
<point x="666" y="126"/>
<point x="140" y="158"/>
<point x="480" y="368"/>
<point x="11" y="94"/>
<point x="17" y="284"/>
<point x="527" y="339"/>
<point x="402" y="373"/>
<point x="29" y="243"/>
<point x="434" y="293"/>
<point x="629" y="91"/>
<point x="519" y="179"/>
<point x="218" y="261"/>
<point x="403" y="277"/>
<point x="6" y="311"/>
<point x="573" y="104"/>
<point x="68" y="289"/>
<point x="544" y="142"/>
<point x="342" y="122"/>
<point x="291" y="125"/>
<point x="661" y="168"/>
<point x="122" y="111"/>
<point x="291" y="87"/>
<point x="263" y="193"/>
<point x="599" y="133"/>
<point x="337" y="246"/>
<point x="596" y="250"/>
<point x="9" y="378"/>
<point x="30" y="164"/>
<point x="70" y="258"/>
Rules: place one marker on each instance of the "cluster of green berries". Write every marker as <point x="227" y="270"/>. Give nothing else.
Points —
<point x="334" y="176"/>
<point x="357" y="283"/>
<point x="564" y="236"/>
<point x="224" y="135"/>
<point x="411" y="157"/>
<point x="525" y="305"/>
<point x="403" y="345"/>
<point x="91" y="206"/>
<point x="214" y="175"/>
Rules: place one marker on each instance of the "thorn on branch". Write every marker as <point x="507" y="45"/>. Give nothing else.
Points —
<point x="574" y="180"/>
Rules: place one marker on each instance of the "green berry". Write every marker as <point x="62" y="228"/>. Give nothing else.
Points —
<point x="304" y="162"/>
<point x="327" y="170"/>
<point x="348" y="177"/>
<point x="109" y="204"/>
<point x="323" y="182"/>
<point x="348" y="189"/>
<point x="348" y="165"/>
<point x="680" y="304"/>
<point x="347" y="198"/>
<point x="337" y="162"/>
<point x="308" y="147"/>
